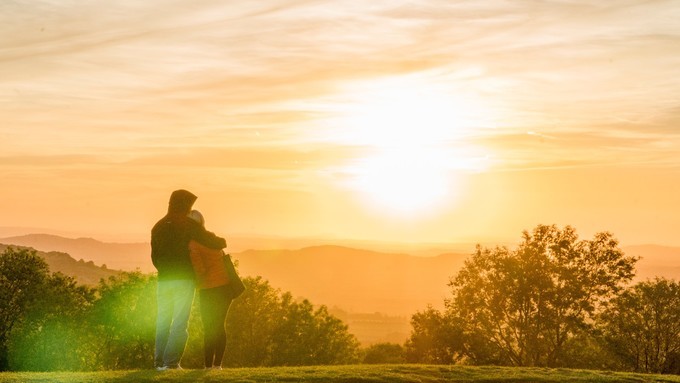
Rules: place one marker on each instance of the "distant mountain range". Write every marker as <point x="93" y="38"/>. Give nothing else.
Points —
<point x="375" y="292"/>
<point x="356" y="280"/>
<point x="351" y="279"/>
<point x="86" y="273"/>
<point x="120" y="256"/>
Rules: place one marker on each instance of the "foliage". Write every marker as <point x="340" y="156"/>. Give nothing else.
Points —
<point x="525" y="307"/>
<point x="306" y="336"/>
<point x="123" y="322"/>
<point x="22" y="276"/>
<point x="37" y="310"/>
<point x="642" y="327"/>
<point x="384" y="353"/>
<point x="585" y="350"/>
<point x="267" y="328"/>
<point x="264" y="327"/>
<point x="436" y="338"/>
<point x="251" y="323"/>
<point x="50" y="337"/>
<point x="49" y="322"/>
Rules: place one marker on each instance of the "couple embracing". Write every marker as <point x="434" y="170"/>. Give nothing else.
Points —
<point x="187" y="257"/>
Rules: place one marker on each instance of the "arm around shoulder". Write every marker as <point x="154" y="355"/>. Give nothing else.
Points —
<point x="207" y="238"/>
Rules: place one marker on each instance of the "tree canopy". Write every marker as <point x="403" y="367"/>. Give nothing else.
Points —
<point x="642" y="326"/>
<point x="522" y="307"/>
<point x="49" y="322"/>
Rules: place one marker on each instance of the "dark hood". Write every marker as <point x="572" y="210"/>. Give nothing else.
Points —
<point x="181" y="202"/>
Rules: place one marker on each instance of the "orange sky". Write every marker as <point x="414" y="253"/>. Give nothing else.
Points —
<point x="422" y="121"/>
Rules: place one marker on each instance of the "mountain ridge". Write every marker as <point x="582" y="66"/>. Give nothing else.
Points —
<point x="86" y="273"/>
<point x="121" y="256"/>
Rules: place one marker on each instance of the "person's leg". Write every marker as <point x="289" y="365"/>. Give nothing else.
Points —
<point x="222" y="308"/>
<point x="163" y="319"/>
<point x="183" y="297"/>
<point x="208" y="320"/>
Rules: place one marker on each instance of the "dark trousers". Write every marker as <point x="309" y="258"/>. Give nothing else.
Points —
<point x="215" y="304"/>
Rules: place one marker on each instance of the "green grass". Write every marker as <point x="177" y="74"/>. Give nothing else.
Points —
<point x="342" y="374"/>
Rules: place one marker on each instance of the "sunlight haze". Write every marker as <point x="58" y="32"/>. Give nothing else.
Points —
<point x="395" y="121"/>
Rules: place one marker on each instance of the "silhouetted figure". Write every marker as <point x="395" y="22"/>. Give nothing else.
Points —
<point x="212" y="282"/>
<point x="170" y="239"/>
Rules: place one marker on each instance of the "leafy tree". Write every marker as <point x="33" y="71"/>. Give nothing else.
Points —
<point x="266" y="328"/>
<point x="37" y="313"/>
<point x="306" y="335"/>
<point x="23" y="276"/>
<point x="435" y="339"/>
<point x="52" y="334"/>
<point x="522" y="307"/>
<point x="251" y="323"/>
<point x="586" y="351"/>
<point x="642" y="327"/>
<point x="123" y="322"/>
<point x="384" y="353"/>
<point x="52" y="323"/>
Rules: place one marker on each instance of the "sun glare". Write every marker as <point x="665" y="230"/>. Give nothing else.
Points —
<point x="413" y="128"/>
<point x="402" y="182"/>
<point x="406" y="112"/>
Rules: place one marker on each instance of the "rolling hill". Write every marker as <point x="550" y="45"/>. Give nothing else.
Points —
<point x="86" y="273"/>
<point x="353" y="279"/>
<point x="356" y="280"/>
<point x="119" y="256"/>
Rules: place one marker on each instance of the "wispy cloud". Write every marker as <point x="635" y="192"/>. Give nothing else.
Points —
<point x="165" y="91"/>
<point x="182" y="60"/>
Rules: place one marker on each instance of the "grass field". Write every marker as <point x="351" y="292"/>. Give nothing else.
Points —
<point x="344" y="374"/>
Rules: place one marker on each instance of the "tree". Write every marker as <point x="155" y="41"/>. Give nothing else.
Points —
<point x="37" y="313"/>
<point x="123" y="322"/>
<point x="521" y="307"/>
<point x="22" y="277"/>
<point x="435" y="339"/>
<point x="642" y="327"/>
<point x="306" y="335"/>
<point x="267" y="328"/>
<point x="384" y="353"/>
<point x="49" y="322"/>
<point x="251" y="323"/>
<point x="52" y="335"/>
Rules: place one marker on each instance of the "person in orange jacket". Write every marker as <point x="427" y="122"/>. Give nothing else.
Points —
<point x="215" y="298"/>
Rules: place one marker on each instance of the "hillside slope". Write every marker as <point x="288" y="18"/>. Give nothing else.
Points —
<point x="86" y="273"/>
<point x="356" y="280"/>
<point x="352" y="279"/>
<point x="119" y="256"/>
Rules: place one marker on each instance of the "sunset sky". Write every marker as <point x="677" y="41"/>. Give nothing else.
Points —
<point x="397" y="121"/>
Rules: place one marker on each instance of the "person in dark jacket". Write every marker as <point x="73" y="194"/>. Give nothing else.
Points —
<point x="170" y="239"/>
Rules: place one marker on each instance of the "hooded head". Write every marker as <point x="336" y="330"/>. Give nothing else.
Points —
<point x="181" y="202"/>
<point x="197" y="216"/>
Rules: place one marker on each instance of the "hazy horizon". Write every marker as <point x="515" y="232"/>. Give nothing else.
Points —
<point x="411" y="122"/>
<point x="237" y="243"/>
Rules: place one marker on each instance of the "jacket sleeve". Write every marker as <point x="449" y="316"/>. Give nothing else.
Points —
<point x="206" y="238"/>
<point x="198" y="261"/>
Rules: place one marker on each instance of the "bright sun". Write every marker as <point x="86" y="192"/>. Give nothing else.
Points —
<point x="403" y="181"/>
<point x="411" y="128"/>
